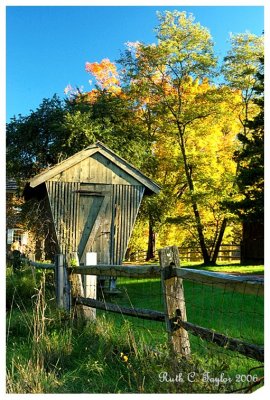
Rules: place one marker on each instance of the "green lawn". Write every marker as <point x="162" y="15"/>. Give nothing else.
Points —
<point x="235" y="269"/>
<point x="233" y="314"/>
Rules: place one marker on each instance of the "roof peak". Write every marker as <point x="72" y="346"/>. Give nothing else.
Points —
<point x="88" y="152"/>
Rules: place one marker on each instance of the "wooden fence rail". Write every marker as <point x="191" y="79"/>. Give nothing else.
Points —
<point x="41" y="265"/>
<point x="243" y="284"/>
<point x="227" y="252"/>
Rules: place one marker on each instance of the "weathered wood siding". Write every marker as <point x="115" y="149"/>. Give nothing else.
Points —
<point x="64" y="203"/>
<point x="126" y="203"/>
<point x="94" y="217"/>
<point x="96" y="169"/>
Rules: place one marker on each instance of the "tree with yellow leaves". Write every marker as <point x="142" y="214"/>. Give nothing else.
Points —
<point x="174" y="76"/>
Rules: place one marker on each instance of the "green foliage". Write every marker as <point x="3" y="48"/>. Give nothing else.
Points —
<point x="241" y="63"/>
<point x="57" y="130"/>
<point x="114" y="118"/>
<point x="34" y="141"/>
<point x="250" y="159"/>
<point x="186" y="46"/>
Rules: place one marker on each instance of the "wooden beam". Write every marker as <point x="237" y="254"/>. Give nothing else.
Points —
<point x="134" y="312"/>
<point x="249" y="350"/>
<point x="41" y="265"/>
<point x="61" y="283"/>
<point x="129" y="271"/>
<point x="89" y="232"/>
<point x="241" y="284"/>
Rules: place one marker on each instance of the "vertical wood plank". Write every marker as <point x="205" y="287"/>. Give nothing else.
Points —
<point x="112" y="227"/>
<point x="51" y="200"/>
<point x="121" y="221"/>
<point x="63" y="224"/>
<point x="116" y="224"/>
<point x="76" y="214"/>
<point x="174" y="300"/>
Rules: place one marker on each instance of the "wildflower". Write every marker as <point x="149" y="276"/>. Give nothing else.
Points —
<point x="124" y="357"/>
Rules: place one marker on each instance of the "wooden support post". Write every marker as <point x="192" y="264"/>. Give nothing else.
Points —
<point x="76" y="284"/>
<point x="90" y="285"/>
<point x="174" y="300"/>
<point x="62" y="284"/>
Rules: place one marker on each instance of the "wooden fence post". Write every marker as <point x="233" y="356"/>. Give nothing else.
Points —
<point x="61" y="283"/>
<point x="77" y="289"/>
<point x="174" y="300"/>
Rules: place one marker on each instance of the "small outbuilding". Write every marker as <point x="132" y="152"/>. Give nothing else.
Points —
<point x="93" y="199"/>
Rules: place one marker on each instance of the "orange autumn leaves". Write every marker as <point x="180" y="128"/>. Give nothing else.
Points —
<point x="106" y="79"/>
<point x="105" y="74"/>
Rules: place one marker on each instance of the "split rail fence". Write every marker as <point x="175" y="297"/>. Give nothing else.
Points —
<point x="227" y="253"/>
<point x="71" y="290"/>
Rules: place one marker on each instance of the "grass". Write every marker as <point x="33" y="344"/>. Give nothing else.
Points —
<point x="49" y="351"/>
<point x="237" y="315"/>
<point x="237" y="269"/>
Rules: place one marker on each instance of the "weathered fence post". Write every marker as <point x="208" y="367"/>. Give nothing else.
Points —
<point x="77" y="289"/>
<point x="61" y="283"/>
<point x="174" y="300"/>
<point x="90" y="285"/>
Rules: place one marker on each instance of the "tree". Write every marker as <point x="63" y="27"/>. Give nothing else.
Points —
<point x="106" y="113"/>
<point x="243" y="67"/>
<point x="250" y="158"/>
<point x="175" y="76"/>
<point x="240" y="68"/>
<point x="35" y="141"/>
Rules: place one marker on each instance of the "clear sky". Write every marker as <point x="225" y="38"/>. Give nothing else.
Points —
<point x="47" y="47"/>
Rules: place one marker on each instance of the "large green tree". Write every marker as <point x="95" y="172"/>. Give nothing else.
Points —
<point x="35" y="141"/>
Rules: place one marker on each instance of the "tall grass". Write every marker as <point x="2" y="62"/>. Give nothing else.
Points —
<point x="48" y="351"/>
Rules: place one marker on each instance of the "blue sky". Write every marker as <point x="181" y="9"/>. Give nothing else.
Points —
<point x="47" y="47"/>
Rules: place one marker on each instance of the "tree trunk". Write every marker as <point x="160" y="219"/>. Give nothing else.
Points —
<point x="219" y="241"/>
<point x="188" y="171"/>
<point x="151" y="241"/>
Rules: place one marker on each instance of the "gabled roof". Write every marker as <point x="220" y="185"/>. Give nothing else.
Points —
<point x="89" y="151"/>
